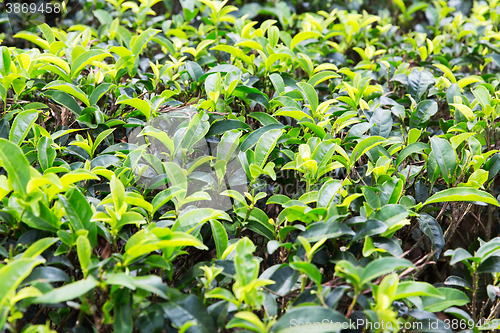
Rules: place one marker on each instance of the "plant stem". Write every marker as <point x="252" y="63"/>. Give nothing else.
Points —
<point x="351" y="307"/>
<point x="474" y="293"/>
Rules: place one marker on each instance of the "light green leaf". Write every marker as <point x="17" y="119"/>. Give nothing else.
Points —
<point x="14" y="273"/>
<point x="265" y="146"/>
<point x="140" y="42"/>
<point x="414" y="288"/>
<point x="84" y="251"/>
<point x="466" y="111"/>
<point x="70" y="89"/>
<point x="15" y="163"/>
<point x="363" y="146"/>
<point x="38" y="247"/>
<point x="445" y="156"/>
<point x="452" y="297"/>
<point x="220" y="237"/>
<point x="413" y="148"/>
<point x="68" y="292"/>
<point x="143" y="106"/>
<point x="86" y="58"/>
<point x="302" y="36"/>
<point x="310" y="94"/>
<point x="462" y="194"/>
<point x="381" y="267"/>
<point x="22" y="125"/>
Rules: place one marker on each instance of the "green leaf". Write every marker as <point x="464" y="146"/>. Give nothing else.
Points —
<point x="490" y="265"/>
<point x="327" y="192"/>
<point x="194" y="70"/>
<point x="432" y="168"/>
<point x="322" y="76"/>
<point x="64" y="99"/>
<point x="466" y="111"/>
<point x="413" y="288"/>
<point x="458" y="255"/>
<point x="413" y="148"/>
<point x="452" y="297"/>
<point x="194" y="132"/>
<point x="463" y="315"/>
<point x="121" y="279"/>
<point x="15" y="163"/>
<point x="457" y="281"/>
<point x="418" y="82"/>
<point x="46" y="219"/>
<point x="186" y="308"/>
<point x="5" y="61"/>
<point x="363" y="146"/>
<point x="416" y="7"/>
<point x="371" y="197"/>
<point x="79" y="212"/>
<point x="46" y="274"/>
<point x="34" y="38"/>
<point x="265" y="146"/>
<point x="462" y="194"/>
<point x="423" y="112"/>
<point x="260" y="98"/>
<point x="247" y="319"/>
<point x="118" y="194"/>
<point x="310" y="270"/>
<point x="253" y="137"/>
<point x="220" y="237"/>
<point x="141" y="42"/>
<point x="445" y="156"/>
<point x="68" y="292"/>
<point x="225" y="68"/>
<point x="429" y="226"/>
<point x="470" y="79"/>
<point x="192" y="218"/>
<point x="401" y="5"/>
<point x="229" y="142"/>
<point x="38" y="247"/>
<point x="103" y="135"/>
<point x="176" y="176"/>
<point x="302" y="36"/>
<point x="70" y="89"/>
<point x="98" y="92"/>
<point x="143" y="106"/>
<point x="259" y="222"/>
<point x="146" y="241"/>
<point x="46" y="154"/>
<point x="47" y="32"/>
<point x="14" y="273"/>
<point x="22" y="125"/>
<point x="86" y="58"/>
<point x="381" y="267"/>
<point x="329" y="229"/>
<point x="84" y="251"/>
<point x="160" y="136"/>
<point x="278" y="83"/>
<point x="213" y="84"/>
<point x="310" y="95"/>
<point x="222" y="126"/>
<point x="319" y="131"/>
<point x="103" y="16"/>
<point x="163" y="197"/>
<point x="483" y="96"/>
<point x="122" y="310"/>
<point x="293" y="113"/>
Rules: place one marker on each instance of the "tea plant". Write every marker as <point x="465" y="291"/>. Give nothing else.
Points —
<point x="214" y="166"/>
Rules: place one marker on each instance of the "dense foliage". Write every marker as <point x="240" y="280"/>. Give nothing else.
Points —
<point x="202" y="166"/>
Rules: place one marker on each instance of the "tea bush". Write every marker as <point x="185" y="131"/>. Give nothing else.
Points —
<point x="202" y="166"/>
